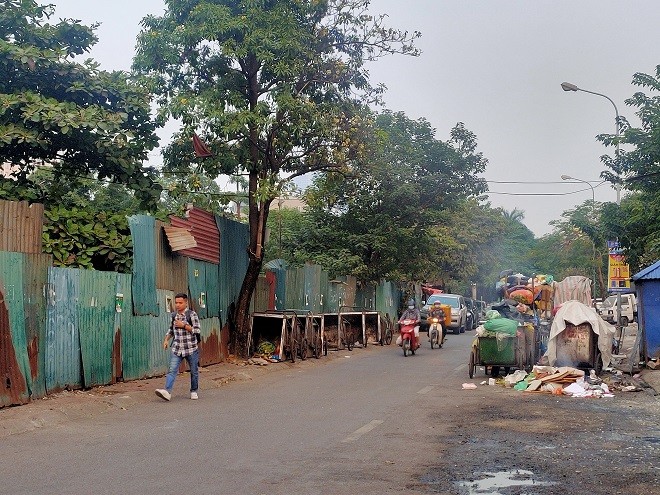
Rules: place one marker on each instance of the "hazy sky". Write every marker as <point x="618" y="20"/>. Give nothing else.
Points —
<point x="497" y="66"/>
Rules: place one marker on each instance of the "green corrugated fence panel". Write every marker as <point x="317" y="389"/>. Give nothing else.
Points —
<point x="63" y="360"/>
<point x="386" y="302"/>
<point x="15" y="367"/>
<point x="295" y="288"/>
<point x="234" y="242"/>
<point x="158" y="325"/>
<point x="312" y="297"/>
<point x="143" y="234"/>
<point x="212" y="290"/>
<point x="260" y="297"/>
<point x="323" y="291"/>
<point x="35" y="280"/>
<point x="198" y="286"/>
<point x="135" y="334"/>
<point x="96" y="317"/>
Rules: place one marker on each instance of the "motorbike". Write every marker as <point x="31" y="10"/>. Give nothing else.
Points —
<point x="436" y="333"/>
<point x="408" y="341"/>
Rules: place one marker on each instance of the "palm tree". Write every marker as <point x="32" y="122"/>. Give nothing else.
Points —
<point x="514" y="215"/>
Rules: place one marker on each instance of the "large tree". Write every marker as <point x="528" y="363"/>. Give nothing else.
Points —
<point x="72" y="117"/>
<point x="271" y="86"/>
<point x="634" y="222"/>
<point x="395" y="215"/>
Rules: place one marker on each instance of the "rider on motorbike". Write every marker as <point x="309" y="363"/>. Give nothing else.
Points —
<point x="412" y="313"/>
<point x="436" y="311"/>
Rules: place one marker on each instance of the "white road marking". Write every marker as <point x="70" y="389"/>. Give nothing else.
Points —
<point x="425" y="390"/>
<point x="459" y="368"/>
<point x="362" y="431"/>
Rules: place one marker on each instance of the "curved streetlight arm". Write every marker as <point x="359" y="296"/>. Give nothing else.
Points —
<point x="566" y="86"/>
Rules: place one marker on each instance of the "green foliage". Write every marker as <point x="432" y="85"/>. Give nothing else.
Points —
<point x="71" y="116"/>
<point x="636" y="224"/>
<point x="85" y="239"/>
<point x="270" y="86"/>
<point x="399" y="212"/>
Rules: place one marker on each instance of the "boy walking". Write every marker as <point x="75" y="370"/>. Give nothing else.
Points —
<point x="185" y="332"/>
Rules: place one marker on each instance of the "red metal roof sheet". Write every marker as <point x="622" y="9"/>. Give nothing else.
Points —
<point x="204" y="230"/>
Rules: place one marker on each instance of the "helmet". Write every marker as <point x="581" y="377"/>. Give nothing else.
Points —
<point x="436" y="303"/>
<point x="411" y="303"/>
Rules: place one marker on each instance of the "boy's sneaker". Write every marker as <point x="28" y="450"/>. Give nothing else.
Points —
<point x="163" y="394"/>
<point x="194" y="396"/>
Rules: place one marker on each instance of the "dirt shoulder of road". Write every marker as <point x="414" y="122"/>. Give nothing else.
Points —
<point x="67" y="406"/>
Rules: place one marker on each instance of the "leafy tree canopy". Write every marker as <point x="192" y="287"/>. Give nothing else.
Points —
<point x="71" y="116"/>
<point x="391" y="216"/>
<point x="272" y="87"/>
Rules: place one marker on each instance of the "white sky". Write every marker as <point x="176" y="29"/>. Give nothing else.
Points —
<point x="497" y="66"/>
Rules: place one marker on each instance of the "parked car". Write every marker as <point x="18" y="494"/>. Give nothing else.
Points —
<point x="459" y="311"/>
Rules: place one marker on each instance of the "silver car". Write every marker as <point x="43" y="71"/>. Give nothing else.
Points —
<point x="458" y="311"/>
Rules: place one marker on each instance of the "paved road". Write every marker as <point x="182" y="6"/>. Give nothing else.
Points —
<point x="368" y="422"/>
<point x="339" y="427"/>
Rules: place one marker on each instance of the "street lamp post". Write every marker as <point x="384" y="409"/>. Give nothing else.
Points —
<point x="593" y="214"/>
<point x="566" y="86"/>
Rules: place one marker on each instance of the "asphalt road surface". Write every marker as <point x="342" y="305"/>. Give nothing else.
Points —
<point x="368" y="421"/>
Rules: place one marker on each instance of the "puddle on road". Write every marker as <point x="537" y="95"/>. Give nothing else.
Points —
<point x="493" y="482"/>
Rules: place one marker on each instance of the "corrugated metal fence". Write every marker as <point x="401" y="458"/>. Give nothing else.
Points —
<point x="67" y="328"/>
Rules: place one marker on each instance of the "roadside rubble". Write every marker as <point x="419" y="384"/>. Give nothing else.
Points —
<point x="569" y="381"/>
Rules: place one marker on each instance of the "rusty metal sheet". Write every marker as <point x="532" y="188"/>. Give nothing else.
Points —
<point x="16" y="384"/>
<point x="96" y="319"/>
<point x="63" y="366"/>
<point x="21" y="226"/>
<point x="210" y="348"/>
<point x="171" y="267"/>
<point x="35" y="280"/>
<point x="203" y="228"/>
<point x="143" y="231"/>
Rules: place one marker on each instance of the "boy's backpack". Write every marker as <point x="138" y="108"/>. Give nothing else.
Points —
<point x="188" y="319"/>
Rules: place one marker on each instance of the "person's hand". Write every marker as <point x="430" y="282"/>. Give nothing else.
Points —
<point x="165" y="342"/>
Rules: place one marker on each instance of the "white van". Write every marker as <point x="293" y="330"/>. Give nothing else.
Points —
<point x="608" y="309"/>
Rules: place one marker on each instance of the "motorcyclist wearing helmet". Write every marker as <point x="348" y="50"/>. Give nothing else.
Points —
<point x="412" y="313"/>
<point x="436" y="311"/>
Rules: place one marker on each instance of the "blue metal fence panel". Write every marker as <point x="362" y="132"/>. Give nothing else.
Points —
<point x="15" y="368"/>
<point x="63" y="359"/>
<point x="143" y="233"/>
<point x="649" y="311"/>
<point x="96" y="318"/>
